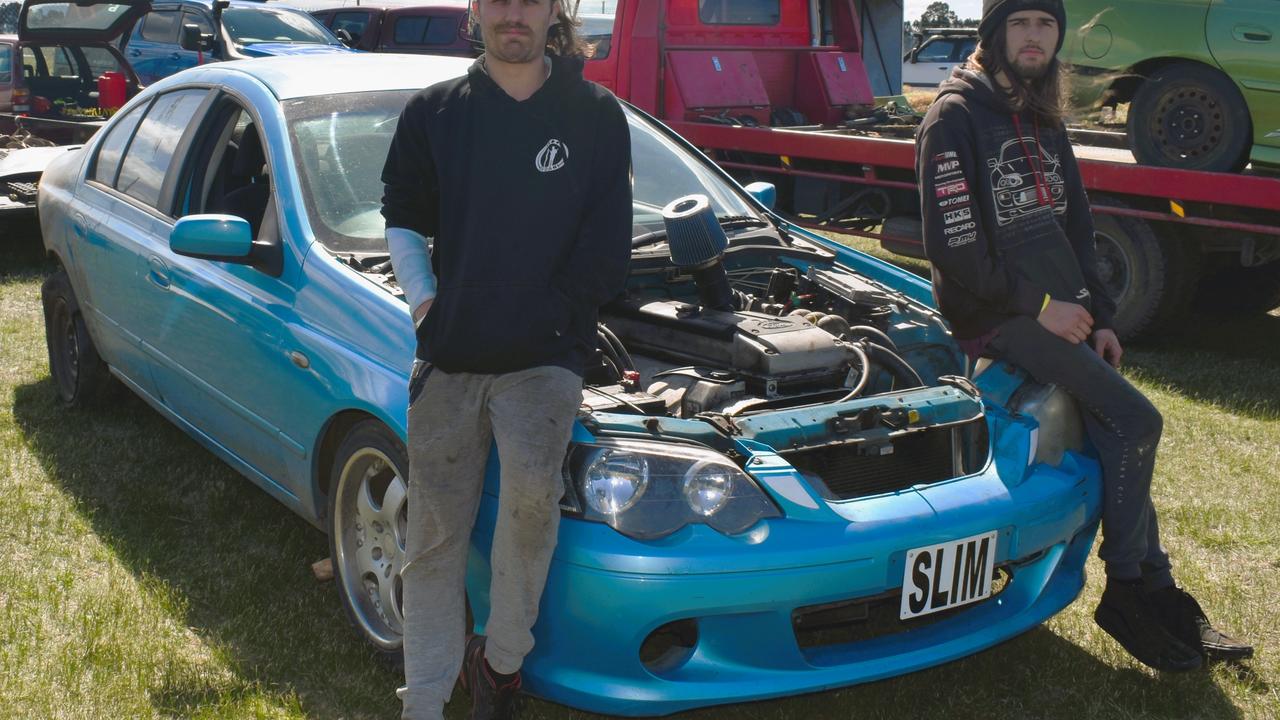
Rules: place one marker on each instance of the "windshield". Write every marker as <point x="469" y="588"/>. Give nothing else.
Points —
<point x="247" y="26"/>
<point x="341" y="143"/>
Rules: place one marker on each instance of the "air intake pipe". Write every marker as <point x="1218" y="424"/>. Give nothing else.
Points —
<point x="697" y="242"/>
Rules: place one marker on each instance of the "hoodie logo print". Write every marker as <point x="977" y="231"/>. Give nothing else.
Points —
<point x="552" y="156"/>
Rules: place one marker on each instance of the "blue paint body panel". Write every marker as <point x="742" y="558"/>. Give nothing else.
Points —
<point x="219" y="362"/>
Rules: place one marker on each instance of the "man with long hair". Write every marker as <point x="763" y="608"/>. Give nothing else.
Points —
<point x="1008" y="230"/>
<point x="521" y="172"/>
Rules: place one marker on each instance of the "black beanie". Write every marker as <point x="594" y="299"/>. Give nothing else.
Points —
<point x="995" y="12"/>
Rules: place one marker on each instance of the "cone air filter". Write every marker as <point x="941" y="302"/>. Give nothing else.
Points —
<point x="694" y="236"/>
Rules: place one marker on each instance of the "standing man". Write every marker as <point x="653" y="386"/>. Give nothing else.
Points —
<point x="521" y="172"/>
<point x="1009" y="232"/>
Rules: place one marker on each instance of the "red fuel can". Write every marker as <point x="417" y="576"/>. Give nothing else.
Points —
<point x="112" y="90"/>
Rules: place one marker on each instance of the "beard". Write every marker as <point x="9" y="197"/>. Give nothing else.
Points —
<point x="1031" y="69"/>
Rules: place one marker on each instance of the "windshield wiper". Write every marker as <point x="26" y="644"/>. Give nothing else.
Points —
<point x="728" y="222"/>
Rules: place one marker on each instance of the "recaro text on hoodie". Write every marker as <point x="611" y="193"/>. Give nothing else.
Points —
<point x="529" y="205"/>
<point x="1006" y="218"/>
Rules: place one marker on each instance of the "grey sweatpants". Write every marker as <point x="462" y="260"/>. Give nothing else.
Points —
<point x="1125" y="428"/>
<point x="453" y="420"/>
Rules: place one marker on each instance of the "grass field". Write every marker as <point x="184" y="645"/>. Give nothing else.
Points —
<point x="140" y="577"/>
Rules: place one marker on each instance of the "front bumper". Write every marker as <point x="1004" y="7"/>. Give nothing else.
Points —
<point x="605" y="593"/>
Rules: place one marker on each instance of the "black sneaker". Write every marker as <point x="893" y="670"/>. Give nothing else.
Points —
<point x="1127" y="617"/>
<point x="1182" y="616"/>
<point x="493" y="696"/>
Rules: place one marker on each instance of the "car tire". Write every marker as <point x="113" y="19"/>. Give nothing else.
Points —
<point x="1192" y="117"/>
<point x="79" y="373"/>
<point x="367" y="525"/>
<point x="1152" y="279"/>
<point x="1241" y="290"/>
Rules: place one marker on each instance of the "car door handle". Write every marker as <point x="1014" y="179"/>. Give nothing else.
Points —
<point x="158" y="272"/>
<point x="1251" y="34"/>
<point x="175" y="56"/>
<point x="77" y="225"/>
<point x="135" y="53"/>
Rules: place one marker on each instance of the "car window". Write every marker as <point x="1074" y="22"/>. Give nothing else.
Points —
<point x="967" y="46"/>
<point x="197" y="19"/>
<point x="74" y="16"/>
<point x="107" y="163"/>
<point x="101" y="60"/>
<point x="426" y="30"/>
<point x="6" y="63"/>
<point x="739" y="12"/>
<point x="147" y="161"/>
<point x="597" y="31"/>
<point x="161" y="26"/>
<point x="259" y="25"/>
<point x="353" y="22"/>
<point x="938" y="50"/>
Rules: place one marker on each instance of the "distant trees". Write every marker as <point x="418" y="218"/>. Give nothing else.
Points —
<point x="9" y="17"/>
<point x="938" y="14"/>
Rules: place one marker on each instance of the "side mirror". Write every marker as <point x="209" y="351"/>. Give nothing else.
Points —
<point x="225" y="238"/>
<point x="193" y="40"/>
<point x="765" y="193"/>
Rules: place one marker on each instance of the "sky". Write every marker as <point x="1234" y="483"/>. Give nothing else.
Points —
<point x="964" y="9"/>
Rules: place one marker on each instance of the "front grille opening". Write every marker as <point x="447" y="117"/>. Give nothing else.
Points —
<point x="669" y="647"/>
<point x="861" y="619"/>
<point x="861" y="469"/>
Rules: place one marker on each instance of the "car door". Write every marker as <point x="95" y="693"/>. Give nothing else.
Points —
<point x="932" y="63"/>
<point x="215" y="329"/>
<point x="153" y="49"/>
<point x="6" y="77"/>
<point x="1244" y="37"/>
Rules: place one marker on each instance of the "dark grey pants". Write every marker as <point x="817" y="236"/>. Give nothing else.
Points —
<point x="1124" y="427"/>
<point x="453" y="421"/>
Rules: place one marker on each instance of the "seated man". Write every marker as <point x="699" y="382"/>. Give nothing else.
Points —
<point x="1009" y="232"/>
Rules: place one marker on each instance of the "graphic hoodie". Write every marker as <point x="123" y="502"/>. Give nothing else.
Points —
<point x="1006" y="219"/>
<point x="529" y="205"/>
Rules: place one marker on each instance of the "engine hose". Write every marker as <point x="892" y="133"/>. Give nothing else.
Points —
<point x="863" y="376"/>
<point x="896" y="366"/>
<point x="873" y="333"/>
<point x="623" y="357"/>
<point x="610" y="352"/>
<point x="613" y="366"/>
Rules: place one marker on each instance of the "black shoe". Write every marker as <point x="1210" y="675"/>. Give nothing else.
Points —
<point x="1182" y="616"/>
<point x="1127" y="617"/>
<point x="493" y="696"/>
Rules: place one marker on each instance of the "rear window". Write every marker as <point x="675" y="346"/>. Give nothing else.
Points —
<point x="147" y="160"/>
<point x="739" y="12"/>
<point x="426" y="30"/>
<point x="6" y="63"/>
<point x="70" y="16"/>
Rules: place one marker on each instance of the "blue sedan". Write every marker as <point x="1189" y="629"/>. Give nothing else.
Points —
<point x="796" y="487"/>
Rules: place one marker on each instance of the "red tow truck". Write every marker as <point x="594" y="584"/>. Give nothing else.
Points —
<point x="800" y="93"/>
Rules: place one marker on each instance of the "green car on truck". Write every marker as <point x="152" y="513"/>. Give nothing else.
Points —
<point x="1202" y="77"/>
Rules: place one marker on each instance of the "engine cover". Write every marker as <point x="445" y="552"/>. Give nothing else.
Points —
<point x="753" y="343"/>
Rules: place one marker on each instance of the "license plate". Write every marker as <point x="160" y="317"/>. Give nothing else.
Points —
<point x="940" y="577"/>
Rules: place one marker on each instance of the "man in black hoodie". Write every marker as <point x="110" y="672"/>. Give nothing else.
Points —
<point x="520" y="171"/>
<point x="1008" y="230"/>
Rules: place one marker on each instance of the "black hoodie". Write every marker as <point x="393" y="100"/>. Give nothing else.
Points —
<point x="529" y="205"/>
<point x="1006" y="219"/>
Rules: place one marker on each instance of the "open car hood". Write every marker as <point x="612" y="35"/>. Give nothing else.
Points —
<point x="79" y="21"/>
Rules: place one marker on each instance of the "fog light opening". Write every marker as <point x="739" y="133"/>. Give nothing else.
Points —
<point x="669" y="646"/>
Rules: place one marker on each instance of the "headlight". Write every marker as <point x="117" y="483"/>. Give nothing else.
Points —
<point x="648" y="490"/>
<point x="1061" y="428"/>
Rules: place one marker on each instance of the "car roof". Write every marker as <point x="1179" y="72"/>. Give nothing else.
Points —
<point x="208" y="4"/>
<point x="296" y="76"/>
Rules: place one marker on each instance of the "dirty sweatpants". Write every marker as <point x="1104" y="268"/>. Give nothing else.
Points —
<point x="453" y="419"/>
<point x="1125" y="428"/>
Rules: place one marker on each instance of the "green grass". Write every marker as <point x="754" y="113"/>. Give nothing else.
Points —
<point x="140" y="577"/>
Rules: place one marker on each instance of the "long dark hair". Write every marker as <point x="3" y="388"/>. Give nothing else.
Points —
<point x="1046" y="96"/>
<point x="563" y="38"/>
